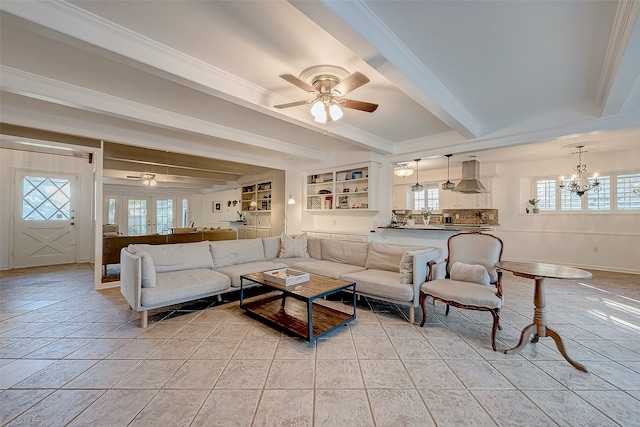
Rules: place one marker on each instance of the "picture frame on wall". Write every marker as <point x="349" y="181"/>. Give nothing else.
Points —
<point x="217" y="207"/>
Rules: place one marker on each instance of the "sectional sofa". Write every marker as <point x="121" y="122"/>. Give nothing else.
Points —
<point x="154" y="276"/>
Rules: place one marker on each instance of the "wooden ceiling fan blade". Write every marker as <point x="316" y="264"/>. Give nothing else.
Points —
<point x="358" y="105"/>
<point x="292" y="104"/>
<point x="297" y="82"/>
<point x="354" y="81"/>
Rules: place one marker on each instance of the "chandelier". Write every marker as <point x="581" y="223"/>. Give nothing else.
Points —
<point x="579" y="183"/>
<point x="417" y="186"/>
<point x="403" y="170"/>
<point x="149" y="179"/>
<point x="448" y="185"/>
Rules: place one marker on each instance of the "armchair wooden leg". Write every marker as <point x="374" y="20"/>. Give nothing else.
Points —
<point x="496" y="321"/>
<point x="446" y="312"/>
<point x="423" y="296"/>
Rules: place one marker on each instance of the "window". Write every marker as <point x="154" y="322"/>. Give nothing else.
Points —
<point x="46" y="199"/>
<point x="164" y="215"/>
<point x="569" y="201"/>
<point x="185" y="214"/>
<point x="626" y="199"/>
<point x="111" y="210"/>
<point x="618" y="185"/>
<point x="546" y="194"/>
<point x="429" y="198"/>
<point x="601" y="200"/>
<point x="137" y="217"/>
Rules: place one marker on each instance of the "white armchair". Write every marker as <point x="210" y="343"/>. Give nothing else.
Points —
<point x="472" y="281"/>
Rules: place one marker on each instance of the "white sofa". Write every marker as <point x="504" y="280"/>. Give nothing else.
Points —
<point x="154" y="276"/>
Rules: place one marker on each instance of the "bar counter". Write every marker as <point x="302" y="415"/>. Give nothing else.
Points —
<point x="443" y="227"/>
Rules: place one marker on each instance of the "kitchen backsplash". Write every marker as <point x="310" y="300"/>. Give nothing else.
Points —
<point x="471" y="216"/>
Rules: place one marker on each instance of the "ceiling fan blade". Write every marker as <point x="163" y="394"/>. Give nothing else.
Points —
<point x="359" y="105"/>
<point x="354" y="81"/>
<point x="297" y="82"/>
<point x="292" y="104"/>
<point x="133" y="177"/>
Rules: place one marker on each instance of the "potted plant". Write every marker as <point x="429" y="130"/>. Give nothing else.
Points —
<point x="410" y="221"/>
<point x="426" y="215"/>
<point x="534" y="203"/>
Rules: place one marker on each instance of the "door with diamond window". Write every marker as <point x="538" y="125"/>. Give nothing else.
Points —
<point x="45" y="219"/>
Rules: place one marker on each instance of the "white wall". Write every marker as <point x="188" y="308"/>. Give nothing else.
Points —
<point x="590" y="240"/>
<point x="11" y="160"/>
<point x="201" y="209"/>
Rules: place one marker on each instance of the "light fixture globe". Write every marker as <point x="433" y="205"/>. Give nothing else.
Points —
<point x="403" y="170"/>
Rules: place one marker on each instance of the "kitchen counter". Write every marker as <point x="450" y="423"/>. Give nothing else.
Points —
<point x="444" y="227"/>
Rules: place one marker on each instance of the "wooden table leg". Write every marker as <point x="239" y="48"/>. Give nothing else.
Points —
<point x="524" y="339"/>
<point x="556" y="337"/>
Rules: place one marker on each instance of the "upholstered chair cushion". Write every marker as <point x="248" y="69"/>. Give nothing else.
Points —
<point x="464" y="293"/>
<point x="470" y="273"/>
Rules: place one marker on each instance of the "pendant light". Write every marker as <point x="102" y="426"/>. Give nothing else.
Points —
<point x="417" y="186"/>
<point x="448" y="185"/>
<point x="402" y="169"/>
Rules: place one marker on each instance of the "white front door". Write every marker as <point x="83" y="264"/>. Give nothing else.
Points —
<point x="45" y="219"/>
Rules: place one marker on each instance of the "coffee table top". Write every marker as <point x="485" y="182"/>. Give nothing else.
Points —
<point x="316" y="285"/>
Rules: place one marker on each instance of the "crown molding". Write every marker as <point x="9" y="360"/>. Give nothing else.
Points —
<point x="620" y="68"/>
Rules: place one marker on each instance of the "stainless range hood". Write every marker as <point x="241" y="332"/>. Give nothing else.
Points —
<point x="470" y="183"/>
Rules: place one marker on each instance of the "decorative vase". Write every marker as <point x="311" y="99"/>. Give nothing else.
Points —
<point x="427" y="218"/>
<point x="411" y="222"/>
<point x="536" y="210"/>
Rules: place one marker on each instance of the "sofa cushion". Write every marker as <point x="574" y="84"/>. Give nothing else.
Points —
<point x="463" y="293"/>
<point x="381" y="283"/>
<point x="232" y="252"/>
<point x="235" y="271"/>
<point x="345" y="252"/>
<point x="406" y="265"/>
<point x="384" y="256"/>
<point x="271" y="247"/>
<point x="186" y="285"/>
<point x="148" y="270"/>
<point x="326" y="268"/>
<point x="293" y="247"/>
<point x="177" y="256"/>
<point x="475" y="273"/>
<point x="314" y="247"/>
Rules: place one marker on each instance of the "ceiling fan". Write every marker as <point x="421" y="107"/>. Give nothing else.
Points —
<point x="329" y="84"/>
<point x="146" y="178"/>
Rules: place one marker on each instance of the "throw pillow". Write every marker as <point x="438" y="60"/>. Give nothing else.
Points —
<point x="148" y="270"/>
<point x="474" y="273"/>
<point x="293" y="247"/>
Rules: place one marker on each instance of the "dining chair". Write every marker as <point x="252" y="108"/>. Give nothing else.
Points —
<point x="471" y="280"/>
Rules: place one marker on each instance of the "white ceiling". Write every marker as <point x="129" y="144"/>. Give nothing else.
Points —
<point x="463" y="77"/>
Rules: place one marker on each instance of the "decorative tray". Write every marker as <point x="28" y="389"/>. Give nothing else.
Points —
<point x="286" y="276"/>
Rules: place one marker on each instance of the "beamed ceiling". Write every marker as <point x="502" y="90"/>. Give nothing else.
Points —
<point x="202" y="77"/>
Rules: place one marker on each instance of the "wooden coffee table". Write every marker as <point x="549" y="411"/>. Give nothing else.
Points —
<point x="293" y="308"/>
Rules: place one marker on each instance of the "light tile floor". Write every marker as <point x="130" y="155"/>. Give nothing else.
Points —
<point x="70" y="355"/>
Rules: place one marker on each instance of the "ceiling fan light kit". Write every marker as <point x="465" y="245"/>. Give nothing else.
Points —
<point x="328" y="83"/>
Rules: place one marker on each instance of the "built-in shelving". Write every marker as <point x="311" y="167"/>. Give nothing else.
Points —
<point x="345" y="189"/>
